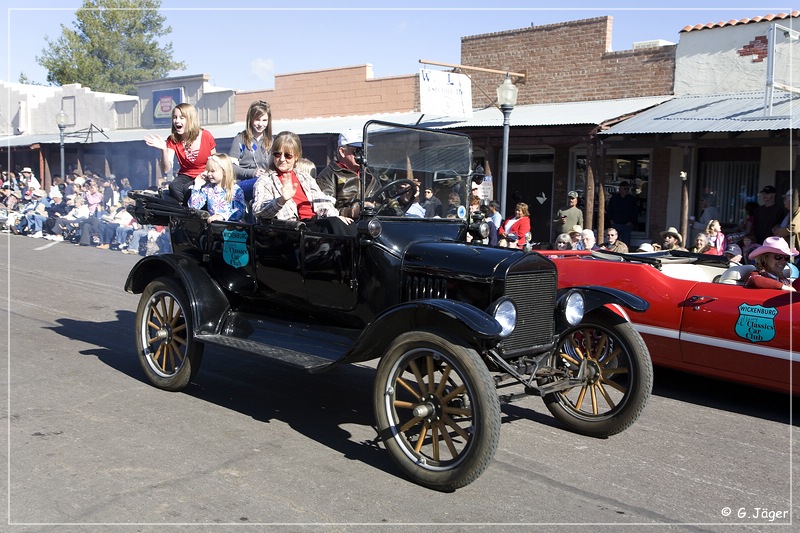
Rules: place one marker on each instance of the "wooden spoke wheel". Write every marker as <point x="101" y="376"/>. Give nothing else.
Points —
<point x="165" y="341"/>
<point x="613" y="364"/>
<point x="437" y="410"/>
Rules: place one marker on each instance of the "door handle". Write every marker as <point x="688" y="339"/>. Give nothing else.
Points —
<point x="697" y="301"/>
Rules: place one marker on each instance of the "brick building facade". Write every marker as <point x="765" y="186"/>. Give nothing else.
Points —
<point x="568" y="62"/>
<point x="334" y="92"/>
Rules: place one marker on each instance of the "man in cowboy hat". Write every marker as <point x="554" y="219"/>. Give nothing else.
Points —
<point x="575" y="235"/>
<point x="672" y="239"/>
<point x="771" y="260"/>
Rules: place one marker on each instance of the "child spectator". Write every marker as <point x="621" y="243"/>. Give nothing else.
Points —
<point x="716" y="239"/>
<point x="748" y="245"/>
<point x="94" y="199"/>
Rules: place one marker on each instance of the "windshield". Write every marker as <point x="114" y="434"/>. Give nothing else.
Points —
<point x="418" y="172"/>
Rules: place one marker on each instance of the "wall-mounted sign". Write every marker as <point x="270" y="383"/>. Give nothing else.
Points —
<point x="445" y="94"/>
<point x="164" y="101"/>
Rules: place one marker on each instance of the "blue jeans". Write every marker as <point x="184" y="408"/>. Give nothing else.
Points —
<point x="35" y="221"/>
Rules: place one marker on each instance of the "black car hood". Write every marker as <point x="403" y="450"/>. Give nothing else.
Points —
<point x="452" y="259"/>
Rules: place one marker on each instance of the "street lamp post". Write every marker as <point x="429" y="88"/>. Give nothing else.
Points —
<point x="61" y="120"/>
<point x="507" y="99"/>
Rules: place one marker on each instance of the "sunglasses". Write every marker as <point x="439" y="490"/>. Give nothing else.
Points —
<point x="277" y="155"/>
<point x="779" y="257"/>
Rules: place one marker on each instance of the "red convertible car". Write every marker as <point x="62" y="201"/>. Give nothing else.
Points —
<point x="701" y="318"/>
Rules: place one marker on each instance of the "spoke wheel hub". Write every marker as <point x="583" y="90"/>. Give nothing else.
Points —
<point x="429" y="408"/>
<point x="164" y="333"/>
<point x="593" y="371"/>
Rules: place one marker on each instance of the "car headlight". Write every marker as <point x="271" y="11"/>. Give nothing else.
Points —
<point x="505" y="312"/>
<point x="573" y="306"/>
<point x="374" y="228"/>
<point x="479" y="230"/>
<point x="484" y="229"/>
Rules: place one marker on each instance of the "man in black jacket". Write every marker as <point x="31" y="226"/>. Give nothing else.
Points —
<point x="342" y="178"/>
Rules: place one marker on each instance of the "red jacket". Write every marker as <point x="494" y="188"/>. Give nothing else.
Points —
<point x="519" y="228"/>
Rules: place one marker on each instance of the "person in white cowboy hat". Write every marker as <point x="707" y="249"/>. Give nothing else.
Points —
<point x="30" y="180"/>
<point x="672" y="239"/>
<point x="575" y="235"/>
<point x="771" y="259"/>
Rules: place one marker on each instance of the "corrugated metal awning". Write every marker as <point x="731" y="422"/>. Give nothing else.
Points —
<point x="713" y="113"/>
<point x="594" y="112"/>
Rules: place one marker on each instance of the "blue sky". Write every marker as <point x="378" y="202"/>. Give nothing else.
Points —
<point x="242" y="47"/>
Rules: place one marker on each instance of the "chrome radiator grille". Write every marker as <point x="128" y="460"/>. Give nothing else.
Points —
<point x="535" y="296"/>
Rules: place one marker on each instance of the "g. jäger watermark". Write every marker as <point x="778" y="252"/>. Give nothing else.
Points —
<point x="755" y="513"/>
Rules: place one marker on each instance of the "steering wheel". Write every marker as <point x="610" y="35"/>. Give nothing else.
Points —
<point x="378" y="195"/>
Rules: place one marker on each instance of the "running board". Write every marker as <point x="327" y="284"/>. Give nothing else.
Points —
<point x="305" y="361"/>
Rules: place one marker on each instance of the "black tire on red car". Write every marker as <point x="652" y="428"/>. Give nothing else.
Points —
<point x="168" y="353"/>
<point x="619" y="375"/>
<point x="437" y="410"/>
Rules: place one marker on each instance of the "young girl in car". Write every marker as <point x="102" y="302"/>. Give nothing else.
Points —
<point x="216" y="190"/>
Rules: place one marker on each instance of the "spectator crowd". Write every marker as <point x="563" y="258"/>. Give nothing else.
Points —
<point x="270" y="174"/>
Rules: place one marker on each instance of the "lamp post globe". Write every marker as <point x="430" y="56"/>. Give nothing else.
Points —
<point x="507" y="99"/>
<point x="61" y="120"/>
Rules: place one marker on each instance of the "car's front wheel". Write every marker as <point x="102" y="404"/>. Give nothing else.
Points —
<point x="165" y="341"/>
<point x="437" y="410"/>
<point x="613" y="365"/>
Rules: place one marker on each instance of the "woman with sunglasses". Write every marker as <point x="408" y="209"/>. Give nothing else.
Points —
<point x="771" y="259"/>
<point x="286" y="193"/>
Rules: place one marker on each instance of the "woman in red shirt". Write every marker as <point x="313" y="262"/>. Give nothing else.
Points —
<point x="287" y="193"/>
<point x="512" y="232"/>
<point x="190" y="143"/>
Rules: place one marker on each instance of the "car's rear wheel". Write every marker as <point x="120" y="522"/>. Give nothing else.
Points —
<point x="437" y="410"/>
<point x="617" y="380"/>
<point x="168" y="353"/>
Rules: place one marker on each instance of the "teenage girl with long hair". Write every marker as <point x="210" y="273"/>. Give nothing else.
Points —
<point x="190" y="143"/>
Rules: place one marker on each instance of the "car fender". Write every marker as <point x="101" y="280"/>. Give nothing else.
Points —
<point x="597" y="296"/>
<point x="458" y="319"/>
<point x="208" y="301"/>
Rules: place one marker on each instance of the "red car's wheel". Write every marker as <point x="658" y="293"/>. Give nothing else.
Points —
<point x="617" y="375"/>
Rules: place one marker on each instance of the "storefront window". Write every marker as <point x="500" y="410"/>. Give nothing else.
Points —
<point x="631" y="168"/>
<point x="728" y="185"/>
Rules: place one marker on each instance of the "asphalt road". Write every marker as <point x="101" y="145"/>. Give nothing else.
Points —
<point x="92" y="447"/>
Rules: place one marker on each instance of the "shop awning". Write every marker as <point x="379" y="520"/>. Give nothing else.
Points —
<point x="713" y="113"/>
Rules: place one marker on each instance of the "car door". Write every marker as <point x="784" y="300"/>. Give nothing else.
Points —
<point x="229" y="257"/>
<point x="328" y="270"/>
<point x="734" y="330"/>
<point x="276" y="247"/>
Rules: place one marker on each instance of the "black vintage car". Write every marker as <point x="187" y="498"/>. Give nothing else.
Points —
<point x="451" y="321"/>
